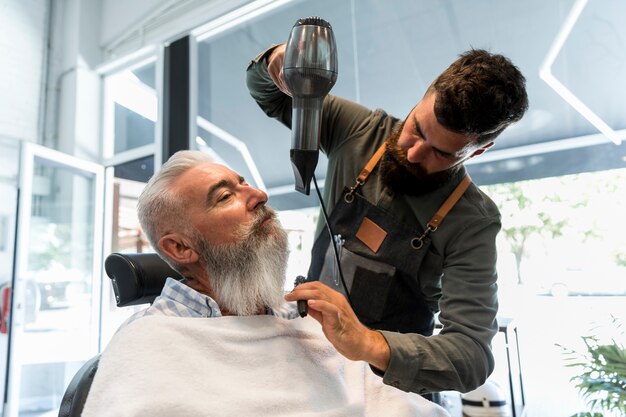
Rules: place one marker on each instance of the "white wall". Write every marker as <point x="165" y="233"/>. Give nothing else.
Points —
<point x="49" y="93"/>
<point x="22" y="51"/>
<point x="73" y="109"/>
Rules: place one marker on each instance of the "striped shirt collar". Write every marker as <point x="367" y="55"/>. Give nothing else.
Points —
<point x="198" y="304"/>
<point x="178" y="299"/>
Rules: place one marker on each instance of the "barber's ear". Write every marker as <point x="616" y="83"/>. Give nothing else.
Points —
<point x="178" y="248"/>
<point x="482" y="149"/>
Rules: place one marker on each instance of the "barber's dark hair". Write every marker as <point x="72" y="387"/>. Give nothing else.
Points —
<point x="480" y="94"/>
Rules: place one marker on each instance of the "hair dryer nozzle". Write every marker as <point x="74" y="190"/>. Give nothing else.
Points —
<point x="303" y="163"/>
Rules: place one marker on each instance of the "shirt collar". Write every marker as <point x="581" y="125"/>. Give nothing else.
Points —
<point x="205" y="306"/>
<point x="201" y="304"/>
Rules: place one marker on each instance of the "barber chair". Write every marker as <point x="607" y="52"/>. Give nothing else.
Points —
<point x="137" y="278"/>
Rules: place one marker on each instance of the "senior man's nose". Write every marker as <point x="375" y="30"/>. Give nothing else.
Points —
<point x="257" y="198"/>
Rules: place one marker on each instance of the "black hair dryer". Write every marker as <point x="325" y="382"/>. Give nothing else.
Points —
<point x="310" y="71"/>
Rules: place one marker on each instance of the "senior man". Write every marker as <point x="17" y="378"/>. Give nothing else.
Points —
<point x="219" y="343"/>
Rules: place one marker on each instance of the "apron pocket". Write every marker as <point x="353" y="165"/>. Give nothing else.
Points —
<point x="369" y="281"/>
<point x="370" y="293"/>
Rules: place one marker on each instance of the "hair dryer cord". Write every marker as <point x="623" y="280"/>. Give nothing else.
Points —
<point x="332" y="240"/>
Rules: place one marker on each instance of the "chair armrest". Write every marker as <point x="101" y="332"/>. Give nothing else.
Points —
<point x="76" y="393"/>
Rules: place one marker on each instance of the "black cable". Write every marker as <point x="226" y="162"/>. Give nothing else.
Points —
<point x="332" y="240"/>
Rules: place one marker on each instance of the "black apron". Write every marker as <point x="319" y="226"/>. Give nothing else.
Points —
<point x="379" y="257"/>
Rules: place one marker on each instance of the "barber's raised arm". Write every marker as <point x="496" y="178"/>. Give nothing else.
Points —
<point x="341" y="325"/>
<point x="266" y="85"/>
<point x="341" y="118"/>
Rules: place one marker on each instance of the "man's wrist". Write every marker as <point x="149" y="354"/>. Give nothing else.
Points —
<point x="377" y="352"/>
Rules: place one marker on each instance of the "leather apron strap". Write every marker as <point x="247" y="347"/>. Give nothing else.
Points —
<point x="450" y="202"/>
<point x="445" y="208"/>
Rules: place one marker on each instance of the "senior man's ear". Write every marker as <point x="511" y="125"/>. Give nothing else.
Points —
<point x="178" y="248"/>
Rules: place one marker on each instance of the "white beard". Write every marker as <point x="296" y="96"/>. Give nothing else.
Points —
<point x="249" y="275"/>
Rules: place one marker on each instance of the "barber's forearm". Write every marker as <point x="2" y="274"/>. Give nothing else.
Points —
<point x="258" y="80"/>
<point x="424" y="364"/>
<point x="264" y="91"/>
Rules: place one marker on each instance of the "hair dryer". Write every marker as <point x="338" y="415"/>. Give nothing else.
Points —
<point x="310" y="71"/>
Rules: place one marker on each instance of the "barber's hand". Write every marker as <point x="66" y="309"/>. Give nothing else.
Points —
<point x="275" y="68"/>
<point x="341" y="325"/>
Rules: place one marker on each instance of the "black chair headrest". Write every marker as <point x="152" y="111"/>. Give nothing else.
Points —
<point x="137" y="278"/>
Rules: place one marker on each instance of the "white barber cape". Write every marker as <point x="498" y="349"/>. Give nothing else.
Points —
<point x="162" y="366"/>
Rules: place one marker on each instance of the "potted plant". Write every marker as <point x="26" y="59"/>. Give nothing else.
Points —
<point x="602" y="373"/>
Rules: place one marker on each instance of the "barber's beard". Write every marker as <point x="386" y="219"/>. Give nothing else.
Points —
<point x="249" y="275"/>
<point x="409" y="178"/>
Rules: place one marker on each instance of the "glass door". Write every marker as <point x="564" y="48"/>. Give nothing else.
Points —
<point x="9" y="164"/>
<point x="58" y="264"/>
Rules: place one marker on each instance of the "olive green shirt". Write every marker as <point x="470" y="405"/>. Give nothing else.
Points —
<point x="458" y="274"/>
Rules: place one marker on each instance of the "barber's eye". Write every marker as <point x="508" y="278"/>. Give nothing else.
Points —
<point x="444" y="154"/>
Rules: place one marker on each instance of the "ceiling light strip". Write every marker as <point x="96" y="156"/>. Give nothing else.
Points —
<point x="237" y="17"/>
<point x="545" y="72"/>
<point x="543" y="147"/>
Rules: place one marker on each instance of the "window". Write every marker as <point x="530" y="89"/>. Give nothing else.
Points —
<point x="131" y="109"/>
<point x="130" y="145"/>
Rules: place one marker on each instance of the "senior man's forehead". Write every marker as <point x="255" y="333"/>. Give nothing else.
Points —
<point x="203" y="175"/>
<point x="218" y="173"/>
<point x="212" y="171"/>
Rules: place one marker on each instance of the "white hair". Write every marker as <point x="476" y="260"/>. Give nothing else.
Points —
<point x="159" y="208"/>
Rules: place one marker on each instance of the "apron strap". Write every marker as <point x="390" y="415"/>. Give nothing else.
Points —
<point x="449" y="203"/>
<point x="435" y="221"/>
<point x="369" y="167"/>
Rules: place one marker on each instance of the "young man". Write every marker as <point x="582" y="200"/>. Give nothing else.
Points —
<point x="416" y="236"/>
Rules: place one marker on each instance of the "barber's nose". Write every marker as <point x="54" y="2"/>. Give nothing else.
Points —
<point x="416" y="152"/>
